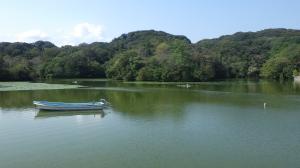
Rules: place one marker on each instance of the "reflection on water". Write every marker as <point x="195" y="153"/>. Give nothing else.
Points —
<point x="47" y="114"/>
<point x="149" y="99"/>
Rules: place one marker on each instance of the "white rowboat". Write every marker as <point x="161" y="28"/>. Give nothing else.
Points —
<point x="61" y="106"/>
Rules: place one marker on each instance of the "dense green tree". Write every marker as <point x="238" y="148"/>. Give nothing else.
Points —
<point x="124" y="66"/>
<point x="283" y="64"/>
<point x="4" y="74"/>
<point x="277" y="68"/>
<point x="158" y="56"/>
<point x="151" y="72"/>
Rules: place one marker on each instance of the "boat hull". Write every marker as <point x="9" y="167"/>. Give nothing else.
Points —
<point x="51" y="108"/>
<point x="59" y="106"/>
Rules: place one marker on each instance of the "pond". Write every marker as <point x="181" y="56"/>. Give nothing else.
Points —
<point x="150" y="124"/>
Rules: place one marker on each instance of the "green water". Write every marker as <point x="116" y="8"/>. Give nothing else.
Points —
<point x="153" y="125"/>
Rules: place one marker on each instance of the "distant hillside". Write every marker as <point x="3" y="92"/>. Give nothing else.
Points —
<point x="158" y="56"/>
<point x="271" y="53"/>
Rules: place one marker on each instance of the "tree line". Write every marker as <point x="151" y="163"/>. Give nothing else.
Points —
<point x="158" y="56"/>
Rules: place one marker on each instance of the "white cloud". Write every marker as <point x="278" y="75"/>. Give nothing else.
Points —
<point x="31" y="36"/>
<point x="80" y="33"/>
<point x="87" y="30"/>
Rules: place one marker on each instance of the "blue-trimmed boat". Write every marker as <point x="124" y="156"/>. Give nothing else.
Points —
<point x="61" y="106"/>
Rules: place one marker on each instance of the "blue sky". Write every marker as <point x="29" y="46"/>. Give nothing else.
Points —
<point x="73" y="22"/>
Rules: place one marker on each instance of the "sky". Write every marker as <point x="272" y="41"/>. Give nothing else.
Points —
<point x="71" y="22"/>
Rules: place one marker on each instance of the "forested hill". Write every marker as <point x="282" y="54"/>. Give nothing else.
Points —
<point x="158" y="56"/>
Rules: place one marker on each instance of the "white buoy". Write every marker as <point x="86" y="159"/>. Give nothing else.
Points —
<point x="187" y="85"/>
<point x="265" y="105"/>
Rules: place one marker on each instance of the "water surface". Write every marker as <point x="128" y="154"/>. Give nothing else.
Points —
<point x="213" y="124"/>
